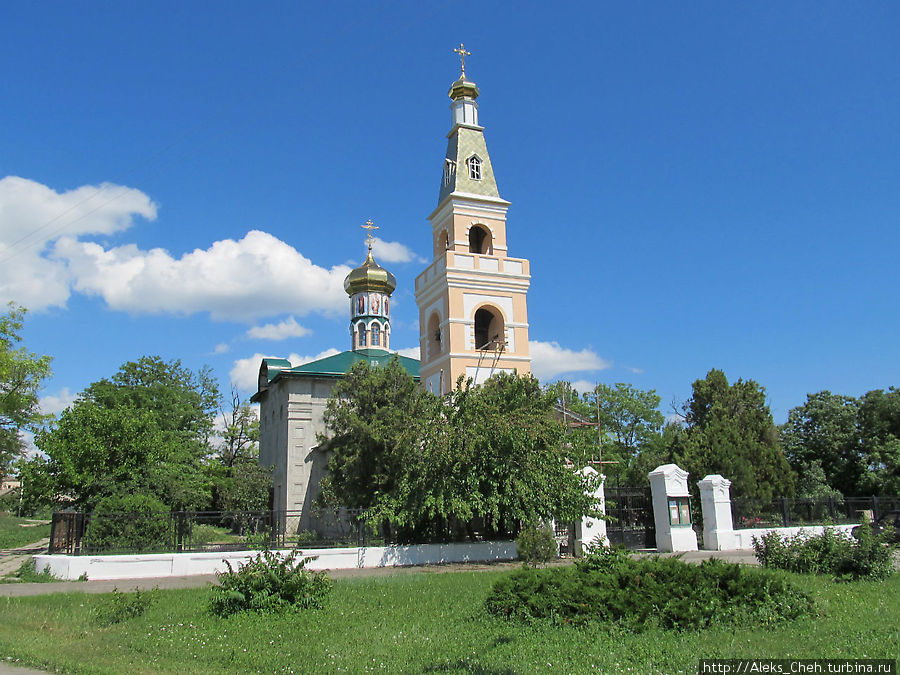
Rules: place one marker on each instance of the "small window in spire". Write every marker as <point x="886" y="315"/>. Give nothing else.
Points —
<point x="474" y="167"/>
<point x="362" y="336"/>
<point x="376" y="335"/>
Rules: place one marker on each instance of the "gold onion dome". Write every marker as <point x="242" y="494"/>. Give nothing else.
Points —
<point x="370" y="276"/>
<point x="463" y="88"/>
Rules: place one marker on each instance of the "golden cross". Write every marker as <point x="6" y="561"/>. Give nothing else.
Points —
<point x="462" y="57"/>
<point x="369" y="226"/>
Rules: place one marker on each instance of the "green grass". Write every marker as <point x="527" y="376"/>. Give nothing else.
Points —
<point x="421" y="623"/>
<point x="13" y="535"/>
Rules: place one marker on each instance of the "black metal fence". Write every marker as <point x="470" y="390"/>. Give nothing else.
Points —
<point x="787" y="512"/>
<point x="630" y="517"/>
<point x="78" y="533"/>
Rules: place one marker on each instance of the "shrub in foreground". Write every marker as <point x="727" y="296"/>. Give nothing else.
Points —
<point x="123" y="606"/>
<point x="269" y="583"/>
<point x="646" y="592"/>
<point x="536" y="544"/>
<point x="866" y="557"/>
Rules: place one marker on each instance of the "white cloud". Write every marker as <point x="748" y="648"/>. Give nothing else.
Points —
<point x="548" y="360"/>
<point x="583" y="386"/>
<point x="222" y="348"/>
<point x="411" y="352"/>
<point x="636" y="371"/>
<point x="54" y="405"/>
<point x="32" y="216"/>
<point x="245" y="372"/>
<point x="279" y="331"/>
<point x="393" y="252"/>
<point x="256" y="276"/>
<point x="44" y="257"/>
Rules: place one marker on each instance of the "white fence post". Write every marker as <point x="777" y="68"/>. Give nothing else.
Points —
<point x="671" y="509"/>
<point x="715" y="502"/>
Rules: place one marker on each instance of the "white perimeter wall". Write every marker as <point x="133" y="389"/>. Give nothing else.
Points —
<point x="98" y="567"/>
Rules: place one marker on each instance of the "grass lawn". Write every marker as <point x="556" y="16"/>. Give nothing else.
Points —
<point x="421" y="623"/>
<point x="13" y="535"/>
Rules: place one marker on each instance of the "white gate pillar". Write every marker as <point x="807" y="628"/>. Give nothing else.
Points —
<point x="672" y="509"/>
<point x="715" y="502"/>
<point x="590" y="528"/>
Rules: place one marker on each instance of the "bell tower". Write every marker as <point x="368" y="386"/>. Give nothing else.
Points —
<point x="473" y="319"/>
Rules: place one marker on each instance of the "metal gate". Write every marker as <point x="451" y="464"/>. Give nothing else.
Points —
<point x="629" y="513"/>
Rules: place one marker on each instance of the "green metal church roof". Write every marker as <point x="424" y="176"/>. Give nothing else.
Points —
<point x="339" y="364"/>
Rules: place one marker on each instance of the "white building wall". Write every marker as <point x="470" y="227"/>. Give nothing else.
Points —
<point x="291" y="418"/>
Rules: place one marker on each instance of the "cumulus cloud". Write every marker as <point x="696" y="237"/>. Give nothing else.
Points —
<point x="33" y="216"/>
<point x="278" y="331"/>
<point x="256" y="276"/>
<point x="244" y="372"/>
<point x="55" y="404"/>
<point x="393" y="252"/>
<point x="221" y="348"/>
<point x="411" y="352"/>
<point x="548" y="360"/>
<point x="583" y="386"/>
<point x="46" y="252"/>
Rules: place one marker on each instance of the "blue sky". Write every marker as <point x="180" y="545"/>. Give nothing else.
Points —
<point x="697" y="185"/>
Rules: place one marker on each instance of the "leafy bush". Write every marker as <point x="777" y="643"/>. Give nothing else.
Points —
<point x="122" y="606"/>
<point x="134" y="523"/>
<point x="868" y="557"/>
<point x="642" y="593"/>
<point x="536" y="544"/>
<point x="269" y="583"/>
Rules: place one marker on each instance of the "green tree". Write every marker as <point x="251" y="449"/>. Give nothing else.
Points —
<point x="630" y="415"/>
<point x="21" y="376"/>
<point x="145" y="430"/>
<point x="824" y="430"/>
<point x="370" y="412"/>
<point x="434" y="466"/>
<point x="879" y="429"/>
<point x="729" y="431"/>
<point x="240" y="432"/>
<point x="241" y="483"/>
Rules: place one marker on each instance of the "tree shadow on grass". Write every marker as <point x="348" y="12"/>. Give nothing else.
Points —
<point x="470" y="664"/>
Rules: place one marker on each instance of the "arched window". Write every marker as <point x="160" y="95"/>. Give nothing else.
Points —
<point x="443" y="242"/>
<point x="361" y="332"/>
<point x="479" y="240"/>
<point x="434" y="335"/>
<point x="474" y="167"/>
<point x="489" y="333"/>
<point x="376" y="335"/>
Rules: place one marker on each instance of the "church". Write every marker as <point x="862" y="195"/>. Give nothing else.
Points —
<point x="473" y="320"/>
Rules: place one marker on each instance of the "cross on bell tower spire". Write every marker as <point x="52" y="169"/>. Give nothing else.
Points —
<point x="462" y="57"/>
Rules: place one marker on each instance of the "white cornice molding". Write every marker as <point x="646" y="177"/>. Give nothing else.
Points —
<point x="468" y="200"/>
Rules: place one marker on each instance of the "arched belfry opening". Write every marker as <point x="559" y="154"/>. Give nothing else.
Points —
<point x="489" y="333"/>
<point x="443" y="242"/>
<point x="480" y="240"/>
<point x="434" y="335"/>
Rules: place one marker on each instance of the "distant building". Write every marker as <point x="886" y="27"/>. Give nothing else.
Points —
<point x="8" y="484"/>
